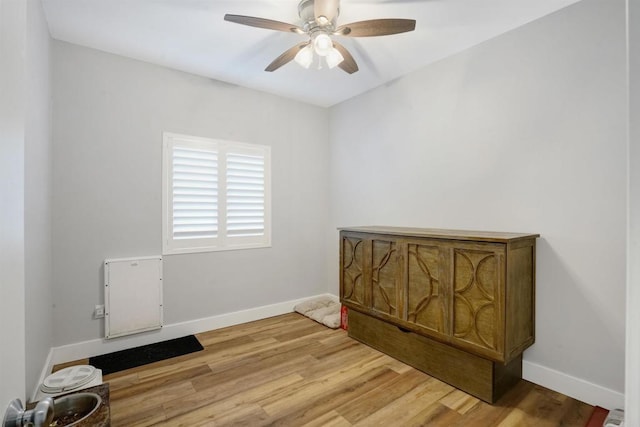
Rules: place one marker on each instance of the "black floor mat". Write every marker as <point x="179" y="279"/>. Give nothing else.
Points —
<point x="125" y="359"/>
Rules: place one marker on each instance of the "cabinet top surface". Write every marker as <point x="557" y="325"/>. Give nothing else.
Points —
<point x="435" y="233"/>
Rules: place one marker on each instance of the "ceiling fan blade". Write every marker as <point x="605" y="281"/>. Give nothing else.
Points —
<point x="376" y="27"/>
<point x="286" y="57"/>
<point x="269" y="24"/>
<point x="326" y="8"/>
<point x="348" y="64"/>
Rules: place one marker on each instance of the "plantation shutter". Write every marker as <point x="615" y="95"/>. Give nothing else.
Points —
<point x="216" y="195"/>
<point x="245" y="193"/>
<point x="195" y="193"/>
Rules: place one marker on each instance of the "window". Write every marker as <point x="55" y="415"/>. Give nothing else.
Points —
<point x="216" y="195"/>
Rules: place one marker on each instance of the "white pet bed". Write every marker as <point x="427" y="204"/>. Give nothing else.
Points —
<point x="323" y="310"/>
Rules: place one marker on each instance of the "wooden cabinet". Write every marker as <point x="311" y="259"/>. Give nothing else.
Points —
<point x="471" y="291"/>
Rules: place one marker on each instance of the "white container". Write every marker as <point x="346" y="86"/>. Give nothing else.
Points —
<point x="73" y="378"/>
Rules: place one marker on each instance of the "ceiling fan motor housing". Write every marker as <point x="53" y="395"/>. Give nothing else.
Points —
<point x="306" y="11"/>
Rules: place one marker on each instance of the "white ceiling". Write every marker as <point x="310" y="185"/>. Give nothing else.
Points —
<point x="191" y="35"/>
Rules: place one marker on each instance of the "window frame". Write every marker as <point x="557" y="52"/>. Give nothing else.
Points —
<point x="222" y="242"/>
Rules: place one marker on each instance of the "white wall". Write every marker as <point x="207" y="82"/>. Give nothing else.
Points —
<point x="108" y="117"/>
<point x="37" y="196"/>
<point x="525" y="133"/>
<point x="632" y="386"/>
<point x="25" y="197"/>
<point x="12" y="242"/>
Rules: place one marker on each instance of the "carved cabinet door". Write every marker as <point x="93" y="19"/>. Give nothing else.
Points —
<point x="426" y="288"/>
<point x="477" y="283"/>
<point x="369" y="273"/>
<point x="352" y="280"/>
<point x="385" y="281"/>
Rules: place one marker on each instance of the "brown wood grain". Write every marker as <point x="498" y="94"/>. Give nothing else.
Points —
<point x="480" y="377"/>
<point x="437" y="233"/>
<point x="471" y="290"/>
<point x="314" y="377"/>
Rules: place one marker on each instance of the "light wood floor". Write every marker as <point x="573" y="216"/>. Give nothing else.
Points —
<point x="291" y="371"/>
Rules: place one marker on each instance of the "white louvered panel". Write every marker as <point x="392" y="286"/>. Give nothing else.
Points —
<point x="216" y="195"/>
<point x="195" y="193"/>
<point x="245" y="194"/>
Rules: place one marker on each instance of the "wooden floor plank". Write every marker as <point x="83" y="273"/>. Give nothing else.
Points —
<point x="329" y="419"/>
<point x="493" y="415"/>
<point x="460" y="401"/>
<point x="254" y="373"/>
<point x="151" y="416"/>
<point x="316" y="409"/>
<point x="290" y="371"/>
<point x="151" y="398"/>
<point x="367" y="403"/>
<point x="309" y="390"/>
<point x="434" y="415"/>
<point x="575" y="412"/>
<point x="194" y="408"/>
<point x="141" y="387"/>
<point x="411" y="403"/>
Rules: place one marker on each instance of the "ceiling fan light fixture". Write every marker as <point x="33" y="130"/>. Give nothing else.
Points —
<point x="334" y="58"/>
<point x="322" y="44"/>
<point x="305" y="56"/>
<point x="319" y="21"/>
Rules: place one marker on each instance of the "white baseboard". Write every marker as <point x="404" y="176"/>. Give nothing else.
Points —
<point x="100" y="346"/>
<point x="46" y="370"/>
<point x="579" y="389"/>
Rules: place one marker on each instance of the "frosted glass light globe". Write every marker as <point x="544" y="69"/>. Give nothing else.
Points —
<point x="334" y="58"/>
<point x="305" y="56"/>
<point x="323" y="44"/>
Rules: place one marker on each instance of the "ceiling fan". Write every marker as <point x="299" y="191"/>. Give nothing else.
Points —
<point x="319" y="22"/>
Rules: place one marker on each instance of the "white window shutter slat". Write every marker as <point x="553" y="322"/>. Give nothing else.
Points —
<point x="195" y="193"/>
<point x="245" y="193"/>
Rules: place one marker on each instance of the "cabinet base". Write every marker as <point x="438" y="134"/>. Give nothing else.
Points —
<point x="485" y="379"/>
